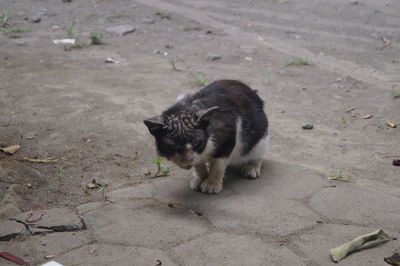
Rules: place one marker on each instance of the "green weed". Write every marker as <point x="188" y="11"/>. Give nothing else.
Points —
<point x="396" y="94"/>
<point x="189" y="27"/>
<point x="96" y="38"/>
<point x="199" y="79"/>
<point x="163" y="14"/>
<point x="5" y="17"/>
<point x="161" y="169"/>
<point x="298" y="62"/>
<point x="339" y="176"/>
<point x="70" y="31"/>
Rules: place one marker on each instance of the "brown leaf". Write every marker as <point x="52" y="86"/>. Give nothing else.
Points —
<point x="391" y="124"/>
<point x="10" y="150"/>
<point x="364" y="116"/>
<point x="386" y="42"/>
<point x="93" y="184"/>
<point x="44" y="160"/>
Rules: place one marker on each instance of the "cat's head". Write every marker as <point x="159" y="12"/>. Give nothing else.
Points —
<point x="181" y="136"/>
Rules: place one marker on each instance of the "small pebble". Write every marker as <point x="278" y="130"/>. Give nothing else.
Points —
<point x="108" y="60"/>
<point x="396" y="162"/>
<point x="308" y="126"/>
<point x="36" y="19"/>
<point x="209" y="31"/>
<point x="148" y="20"/>
<point x="168" y="46"/>
<point x="156" y="51"/>
<point x="213" y="57"/>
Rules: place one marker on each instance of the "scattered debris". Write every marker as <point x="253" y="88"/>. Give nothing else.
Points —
<point x="44" y="160"/>
<point x="52" y="263"/>
<point x="110" y="60"/>
<point x="50" y="256"/>
<point x="391" y="124"/>
<point x="393" y="260"/>
<point x="163" y="14"/>
<point x="308" y="126"/>
<point x="65" y="41"/>
<point x="29" y="214"/>
<point x="351" y="110"/>
<point x="358" y="243"/>
<point x="168" y="46"/>
<point x="13" y="258"/>
<point x="213" y="57"/>
<point x="158" y="262"/>
<point x="156" y="51"/>
<point x="148" y="20"/>
<point x="93" y="184"/>
<point x="248" y="58"/>
<point x="339" y="176"/>
<point x="92" y="250"/>
<point x="366" y="116"/>
<point x="386" y="42"/>
<point x="396" y="162"/>
<point x="171" y="205"/>
<point x="121" y="30"/>
<point x="10" y="150"/>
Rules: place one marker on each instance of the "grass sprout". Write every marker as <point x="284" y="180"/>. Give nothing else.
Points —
<point x="339" y="176"/>
<point x="298" y="62"/>
<point x="161" y="169"/>
<point x="96" y="38"/>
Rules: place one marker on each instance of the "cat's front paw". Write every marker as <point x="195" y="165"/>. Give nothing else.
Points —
<point x="250" y="171"/>
<point x="195" y="183"/>
<point x="211" y="187"/>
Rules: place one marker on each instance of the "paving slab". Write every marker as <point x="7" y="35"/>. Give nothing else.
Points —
<point x="55" y="219"/>
<point x="150" y="226"/>
<point x="359" y="206"/>
<point x="103" y="254"/>
<point x="34" y="248"/>
<point x="8" y="210"/>
<point x="11" y="229"/>
<point x="269" y="204"/>
<point x="316" y="244"/>
<point x="229" y="249"/>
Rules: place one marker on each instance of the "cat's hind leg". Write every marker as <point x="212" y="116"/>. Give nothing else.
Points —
<point x="200" y="173"/>
<point x="213" y="183"/>
<point x="252" y="169"/>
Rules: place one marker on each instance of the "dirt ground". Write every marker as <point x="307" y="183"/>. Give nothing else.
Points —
<point x="64" y="102"/>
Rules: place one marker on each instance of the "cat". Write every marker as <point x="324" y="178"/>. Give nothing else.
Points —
<point x="222" y="124"/>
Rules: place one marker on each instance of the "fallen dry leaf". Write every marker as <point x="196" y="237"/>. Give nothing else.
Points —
<point x="393" y="260"/>
<point x="10" y="150"/>
<point x="364" y="116"/>
<point x="49" y="256"/>
<point x="358" y="243"/>
<point x="386" y="41"/>
<point x="44" y="160"/>
<point x="391" y="124"/>
<point x="93" y="184"/>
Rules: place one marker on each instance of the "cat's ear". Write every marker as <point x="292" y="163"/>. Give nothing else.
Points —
<point x="155" y="125"/>
<point x="203" y="116"/>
